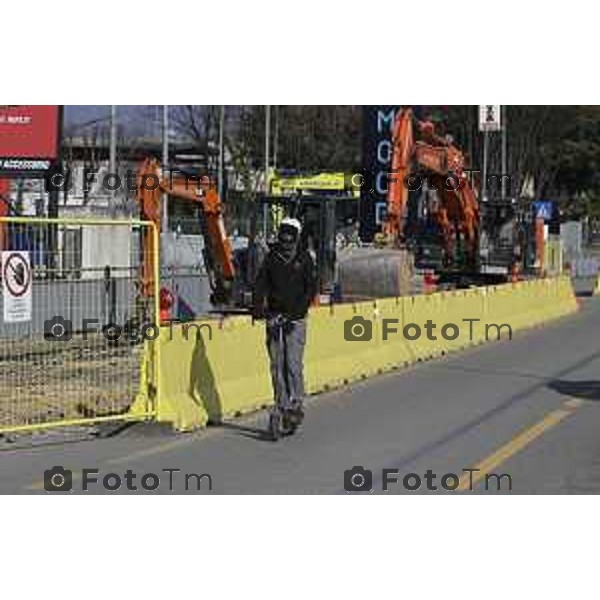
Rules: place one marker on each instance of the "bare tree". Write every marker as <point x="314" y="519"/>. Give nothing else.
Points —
<point x="200" y="125"/>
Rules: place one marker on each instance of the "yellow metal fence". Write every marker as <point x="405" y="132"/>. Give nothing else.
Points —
<point x="76" y="322"/>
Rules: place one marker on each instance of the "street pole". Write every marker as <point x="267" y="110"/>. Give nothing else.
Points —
<point x="221" y="151"/>
<point x="267" y="145"/>
<point x="504" y="153"/>
<point x="276" y="138"/>
<point x="112" y="157"/>
<point x="165" y="164"/>
<point x="267" y="161"/>
<point x="485" y="166"/>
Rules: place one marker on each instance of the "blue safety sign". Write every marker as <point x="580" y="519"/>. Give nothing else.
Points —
<point x="543" y="209"/>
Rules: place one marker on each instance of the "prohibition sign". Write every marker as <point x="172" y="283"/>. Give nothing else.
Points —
<point x="16" y="274"/>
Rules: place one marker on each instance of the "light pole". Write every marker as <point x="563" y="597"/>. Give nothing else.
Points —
<point x="504" y="153"/>
<point x="267" y="145"/>
<point x="165" y="163"/>
<point x="112" y="154"/>
<point x="276" y="138"/>
<point x="485" y="166"/>
<point x="267" y="161"/>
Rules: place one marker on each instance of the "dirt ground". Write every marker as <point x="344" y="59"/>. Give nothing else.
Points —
<point x="43" y="381"/>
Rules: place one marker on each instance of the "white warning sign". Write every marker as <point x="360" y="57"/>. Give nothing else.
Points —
<point x="490" y="117"/>
<point x="16" y="286"/>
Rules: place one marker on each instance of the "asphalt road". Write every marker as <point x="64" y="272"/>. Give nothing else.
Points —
<point x="526" y="410"/>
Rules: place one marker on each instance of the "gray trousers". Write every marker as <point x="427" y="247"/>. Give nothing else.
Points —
<point x="285" y="344"/>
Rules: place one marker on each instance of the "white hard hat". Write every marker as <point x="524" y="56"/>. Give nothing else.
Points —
<point x="291" y="222"/>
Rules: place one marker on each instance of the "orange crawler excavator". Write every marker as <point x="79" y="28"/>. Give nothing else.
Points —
<point x="416" y="149"/>
<point x="218" y="253"/>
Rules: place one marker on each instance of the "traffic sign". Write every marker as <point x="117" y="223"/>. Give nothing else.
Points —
<point x="490" y="117"/>
<point x="543" y="209"/>
<point x="16" y="286"/>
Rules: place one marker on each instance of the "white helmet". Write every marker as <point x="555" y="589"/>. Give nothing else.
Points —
<point x="291" y="222"/>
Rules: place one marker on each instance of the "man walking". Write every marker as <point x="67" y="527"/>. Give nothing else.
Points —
<point x="285" y="287"/>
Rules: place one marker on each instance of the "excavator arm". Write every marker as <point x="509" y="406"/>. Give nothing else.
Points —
<point x="402" y="157"/>
<point x="218" y="254"/>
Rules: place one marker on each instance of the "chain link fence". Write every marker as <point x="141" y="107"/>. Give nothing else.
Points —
<point x="75" y="313"/>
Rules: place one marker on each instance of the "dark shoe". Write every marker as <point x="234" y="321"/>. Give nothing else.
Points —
<point x="294" y="416"/>
<point x="276" y="425"/>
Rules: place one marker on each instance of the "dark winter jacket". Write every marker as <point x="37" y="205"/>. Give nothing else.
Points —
<point x="285" y="287"/>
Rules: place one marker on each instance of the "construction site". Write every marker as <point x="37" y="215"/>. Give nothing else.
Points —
<point x="456" y="272"/>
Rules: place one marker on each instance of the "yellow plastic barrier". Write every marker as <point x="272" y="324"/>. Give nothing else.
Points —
<point x="210" y="370"/>
<point x="553" y="255"/>
<point x="216" y="369"/>
<point x="330" y="359"/>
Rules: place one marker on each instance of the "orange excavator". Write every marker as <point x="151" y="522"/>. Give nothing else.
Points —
<point x="417" y="148"/>
<point x="218" y="253"/>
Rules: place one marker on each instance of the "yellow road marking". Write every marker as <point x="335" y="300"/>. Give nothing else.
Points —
<point x="517" y="444"/>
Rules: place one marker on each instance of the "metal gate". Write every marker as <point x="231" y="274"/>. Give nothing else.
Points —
<point x="78" y="316"/>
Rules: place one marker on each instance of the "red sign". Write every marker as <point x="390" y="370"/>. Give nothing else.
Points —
<point x="29" y="136"/>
